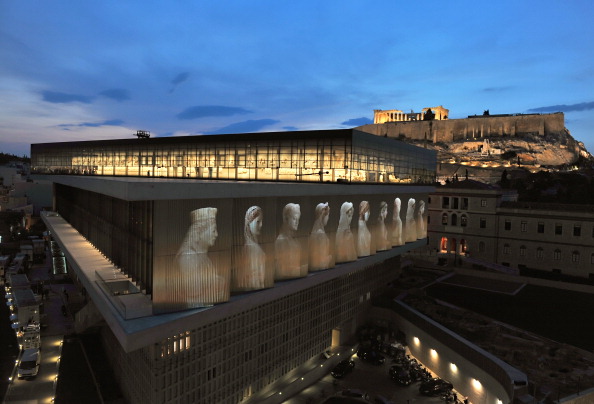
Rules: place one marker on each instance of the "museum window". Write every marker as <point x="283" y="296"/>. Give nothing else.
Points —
<point x="524" y="227"/>
<point x="506" y="248"/>
<point x="577" y="230"/>
<point x="454" y="220"/>
<point x="575" y="256"/>
<point x="539" y="253"/>
<point x="463" y="220"/>
<point x="557" y="254"/>
<point x="445" y="202"/>
<point x="522" y="250"/>
<point x="464" y="203"/>
<point x="444" y="219"/>
<point x="540" y="227"/>
<point x="483" y="203"/>
<point x="558" y="229"/>
<point x="507" y="225"/>
<point x="483" y="223"/>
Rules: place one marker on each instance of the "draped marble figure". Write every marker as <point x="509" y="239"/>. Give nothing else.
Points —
<point x="396" y="224"/>
<point x="421" y="225"/>
<point x="200" y="282"/>
<point x="251" y="272"/>
<point x="410" y="227"/>
<point x="363" y="235"/>
<point x="345" y="241"/>
<point x="319" y="244"/>
<point x="287" y="249"/>
<point x="381" y="233"/>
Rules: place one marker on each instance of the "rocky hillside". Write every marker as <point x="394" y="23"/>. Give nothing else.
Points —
<point x="532" y="151"/>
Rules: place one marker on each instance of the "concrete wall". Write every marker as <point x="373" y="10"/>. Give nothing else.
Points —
<point x="470" y="128"/>
<point x="475" y="373"/>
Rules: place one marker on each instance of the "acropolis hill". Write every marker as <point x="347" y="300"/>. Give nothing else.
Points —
<point x="491" y="142"/>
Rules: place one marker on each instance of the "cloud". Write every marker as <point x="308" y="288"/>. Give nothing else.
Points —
<point x="357" y="122"/>
<point x="109" y="122"/>
<point x="583" y="106"/>
<point x="203" y="111"/>
<point x="118" y="94"/>
<point x="290" y="128"/>
<point x="497" y="89"/>
<point x="180" y="78"/>
<point x="62" y="98"/>
<point x="244" y="127"/>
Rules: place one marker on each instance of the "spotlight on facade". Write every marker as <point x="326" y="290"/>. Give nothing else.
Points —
<point x="453" y="367"/>
<point x="433" y="353"/>
<point x="416" y="341"/>
<point x="477" y="384"/>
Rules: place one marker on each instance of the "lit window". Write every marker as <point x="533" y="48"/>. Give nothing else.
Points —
<point x="463" y="220"/>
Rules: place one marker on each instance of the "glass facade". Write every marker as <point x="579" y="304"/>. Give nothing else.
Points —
<point x="314" y="156"/>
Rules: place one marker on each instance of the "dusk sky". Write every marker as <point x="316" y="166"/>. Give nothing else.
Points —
<point x="74" y="70"/>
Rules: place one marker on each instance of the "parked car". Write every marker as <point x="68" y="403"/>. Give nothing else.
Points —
<point x="401" y="375"/>
<point x="371" y="356"/>
<point x="343" y="368"/>
<point x="354" y="393"/>
<point x="29" y="363"/>
<point x="435" y="387"/>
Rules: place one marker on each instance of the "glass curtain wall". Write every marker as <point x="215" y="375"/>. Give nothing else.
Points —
<point x="349" y="156"/>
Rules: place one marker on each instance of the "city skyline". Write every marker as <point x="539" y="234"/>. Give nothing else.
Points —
<point x="72" y="72"/>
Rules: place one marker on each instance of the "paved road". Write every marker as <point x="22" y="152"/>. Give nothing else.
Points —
<point x="369" y="378"/>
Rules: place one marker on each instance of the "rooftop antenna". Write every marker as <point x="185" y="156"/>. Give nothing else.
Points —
<point x="143" y="134"/>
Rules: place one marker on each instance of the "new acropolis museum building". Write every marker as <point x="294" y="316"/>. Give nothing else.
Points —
<point x="218" y="264"/>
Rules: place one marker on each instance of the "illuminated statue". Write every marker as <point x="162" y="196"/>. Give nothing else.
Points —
<point x="396" y="225"/>
<point x="200" y="282"/>
<point x="421" y="226"/>
<point x="410" y="228"/>
<point x="381" y="233"/>
<point x="363" y="235"/>
<point x="319" y="244"/>
<point x="287" y="249"/>
<point x="345" y="242"/>
<point x="250" y="274"/>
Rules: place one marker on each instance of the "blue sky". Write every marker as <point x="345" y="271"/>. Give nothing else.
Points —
<point x="72" y="70"/>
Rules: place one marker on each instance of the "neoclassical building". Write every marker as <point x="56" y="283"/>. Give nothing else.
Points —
<point x="216" y="265"/>
<point x="479" y="224"/>
<point x="395" y="115"/>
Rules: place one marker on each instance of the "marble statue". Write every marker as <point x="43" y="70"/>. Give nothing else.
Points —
<point x="363" y="235"/>
<point x="345" y="241"/>
<point x="396" y="235"/>
<point x="250" y="274"/>
<point x="421" y="226"/>
<point x="381" y="233"/>
<point x="200" y="282"/>
<point x="410" y="227"/>
<point x="319" y="244"/>
<point x="287" y="248"/>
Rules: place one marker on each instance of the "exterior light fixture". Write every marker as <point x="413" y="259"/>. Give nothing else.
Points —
<point x="477" y="384"/>
<point x="433" y="353"/>
<point x="416" y="341"/>
<point x="453" y="367"/>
